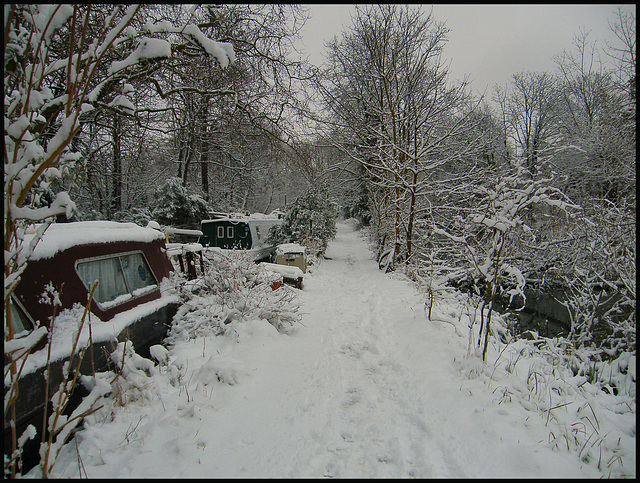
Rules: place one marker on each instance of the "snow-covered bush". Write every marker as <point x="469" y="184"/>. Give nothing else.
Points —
<point x="177" y="206"/>
<point x="137" y="215"/>
<point x="60" y="423"/>
<point x="493" y="230"/>
<point x="585" y="407"/>
<point x="135" y="373"/>
<point x="311" y="222"/>
<point x="233" y="289"/>
<point x="599" y="272"/>
<point x="579" y="400"/>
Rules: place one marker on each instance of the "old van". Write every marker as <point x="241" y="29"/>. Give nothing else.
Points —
<point x="129" y="263"/>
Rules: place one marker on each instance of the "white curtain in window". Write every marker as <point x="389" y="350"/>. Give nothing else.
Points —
<point x="137" y="271"/>
<point x="109" y="275"/>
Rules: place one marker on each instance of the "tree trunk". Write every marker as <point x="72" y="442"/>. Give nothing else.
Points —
<point x="181" y="154"/>
<point x="116" y="169"/>
<point x="412" y="202"/>
<point x="204" y="174"/>
<point x="189" y="140"/>
<point x="185" y="173"/>
<point x="412" y="216"/>
<point x="204" y="150"/>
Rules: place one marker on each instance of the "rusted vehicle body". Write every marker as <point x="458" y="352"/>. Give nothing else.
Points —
<point x="130" y="264"/>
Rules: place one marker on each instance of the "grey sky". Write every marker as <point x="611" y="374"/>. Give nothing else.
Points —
<point x="488" y="42"/>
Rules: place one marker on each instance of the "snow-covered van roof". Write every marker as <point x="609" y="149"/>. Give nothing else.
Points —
<point x="62" y="236"/>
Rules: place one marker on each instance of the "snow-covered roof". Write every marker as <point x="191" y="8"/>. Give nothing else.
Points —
<point x="290" y="248"/>
<point x="61" y="236"/>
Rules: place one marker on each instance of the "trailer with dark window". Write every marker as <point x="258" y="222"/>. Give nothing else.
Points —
<point x="240" y="233"/>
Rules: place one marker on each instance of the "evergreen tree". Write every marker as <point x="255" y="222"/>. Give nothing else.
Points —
<point x="311" y="221"/>
<point x="177" y="207"/>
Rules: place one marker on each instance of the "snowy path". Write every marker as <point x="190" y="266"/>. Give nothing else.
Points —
<point x="368" y="387"/>
<point x="371" y="425"/>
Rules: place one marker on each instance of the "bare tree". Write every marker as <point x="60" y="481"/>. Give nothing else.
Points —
<point x="594" y="129"/>
<point x="624" y="54"/>
<point x="388" y="90"/>
<point x="529" y="116"/>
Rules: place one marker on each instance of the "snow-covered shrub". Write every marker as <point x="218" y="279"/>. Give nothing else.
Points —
<point x="59" y="424"/>
<point x="598" y="272"/>
<point x="432" y="275"/>
<point x="311" y="222"/>
<point x="588" y="408"/>
<point x="494" y="229"/>
<point x="177" y="206"/>
<point x="134" y="374"/>
<point x="233" y="288"/>
<point x="137" y="215"/>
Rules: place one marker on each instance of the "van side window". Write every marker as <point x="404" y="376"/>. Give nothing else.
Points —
<point x="221" y="232"/>
<point x="22" y="324"/>
<point x="230" y="232"/>
<point x="136" y="272"/>
<point x="120" y="277"/>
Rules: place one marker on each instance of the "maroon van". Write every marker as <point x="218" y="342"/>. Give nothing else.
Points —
<point x="130" y="264"/>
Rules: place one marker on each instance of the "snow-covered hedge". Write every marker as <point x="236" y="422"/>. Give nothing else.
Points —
<point x="233" y="289"/>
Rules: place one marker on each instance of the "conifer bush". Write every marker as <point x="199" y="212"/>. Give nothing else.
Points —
<point x="311" y="221"/>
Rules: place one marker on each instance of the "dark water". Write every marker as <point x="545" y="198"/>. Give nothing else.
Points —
<point x="543" y="314"/>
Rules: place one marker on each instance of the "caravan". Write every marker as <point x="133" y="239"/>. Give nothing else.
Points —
<point x="240" y="232"/>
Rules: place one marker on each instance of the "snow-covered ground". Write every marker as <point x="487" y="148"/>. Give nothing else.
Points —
<point x="366" y="386"/>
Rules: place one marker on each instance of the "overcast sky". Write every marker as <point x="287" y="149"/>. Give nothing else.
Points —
<point x="488" y="42"/>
